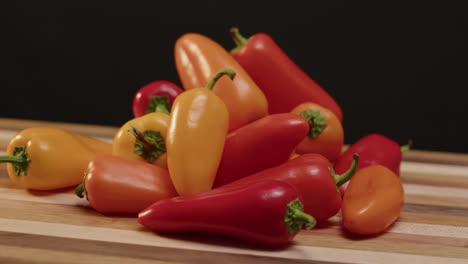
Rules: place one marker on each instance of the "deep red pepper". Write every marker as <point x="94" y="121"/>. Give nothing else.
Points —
<point x="310" y="174"/>
<point x="262" y="144"/>
<point x="282" y="81"/>
<point x="267" y="213"/>
<point x="372" y="149"/>
<point x="156" y="96"/>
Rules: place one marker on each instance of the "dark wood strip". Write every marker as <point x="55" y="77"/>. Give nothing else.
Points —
<point x="435" y="209"/>
<point x="22" y="255"/>
<point x="453" y="202"/>
<point x="424" y="218"/>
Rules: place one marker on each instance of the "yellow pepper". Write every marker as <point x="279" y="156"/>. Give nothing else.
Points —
<point x="196" y="136"/>
<point x="143" y="138"/>
<point x="45" y="158"/>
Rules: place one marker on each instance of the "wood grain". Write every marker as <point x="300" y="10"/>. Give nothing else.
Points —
<point x="58" y="227"/>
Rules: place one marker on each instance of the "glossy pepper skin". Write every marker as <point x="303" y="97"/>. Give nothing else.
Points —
<point x="196" y="136"/>
<point x="144" y="139"/>
<point x="260" y="145"/>
<point x="282" y="81"/>
<point x="373" y="200"/>
<point x="326" y="135"/>
<point x="46" y="158"/>
<point x="311" y="176"/>
<point x="117" y="185"/>
<point x="198" y="58"/>
<point x="267" y="213"/>
<point x="156" y="96"/>
<point x="372" y="149"/>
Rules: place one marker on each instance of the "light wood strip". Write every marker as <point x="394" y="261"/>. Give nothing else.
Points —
<point x="426" y="218"/>
<point x="436" y="191"/>
<point x="294" y="252"/>
<point x="436" y="157"/>
<point x="392" y="237"/>
<point x="435" y="180"/>
<point x="409" y="228"/>
<point x="85" y="129"/>
<point x="404" y="244"/>
<point x="434" y="170"/>
<point x="66" y="198"/>
<point x="64" y="214"/>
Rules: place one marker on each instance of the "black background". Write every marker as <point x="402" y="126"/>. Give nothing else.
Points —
<point x="400" y="69"/>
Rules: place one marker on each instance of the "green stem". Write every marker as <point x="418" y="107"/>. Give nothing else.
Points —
<point x="80" y="190"/>
<point x="304" y="218"/>
<point x="20" y="160"/>
<point x="316" y="120"/>
<point x="406" y="147"/>
<point x="347" y="175"/>
<point x="149" y="144"/>
<point x="12" y="159"/>
<point x="159" y="104"/>
<point x="220" y="74"/>
<point x="295" y="217"/>
<point x="139" y="137"/>
<point x="238" y="39"/>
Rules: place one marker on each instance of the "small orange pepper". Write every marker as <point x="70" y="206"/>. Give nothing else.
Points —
<point x="373" y="200"/>
<point x="143" y="138"/>
<point x="198" y="58"/>
<point x="326" y="135"/>
<point x="196" y="137"/>
<point x="46" y="158"/>
<point x="118" y="185"/>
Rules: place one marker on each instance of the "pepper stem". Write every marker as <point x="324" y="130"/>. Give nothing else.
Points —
<point x="81" y="189"/>
<point x="218" y="75"/>
<point x="295" y="217"/>
<point x="158" y="104"/>
<point x="20" y="160"/>
<point x="347" y="175"/>
<point x="407" y="147"/>
<point x="238" y="39"/>
<point x="316" y="120"/>
<point x="149" y="145"/>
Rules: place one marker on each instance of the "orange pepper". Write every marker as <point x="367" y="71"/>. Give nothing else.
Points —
<point x="373" y="200"/>
<point x="196" y="137"/>
<point x="143" y="138"/>
<point x="118" y="185"/>
<point x="198" y="58"/>
<point x="46" y="158"/>
<point x="326" y="134"/>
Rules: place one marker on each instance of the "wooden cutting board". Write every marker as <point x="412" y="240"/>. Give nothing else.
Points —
<point x="56" y="227"/>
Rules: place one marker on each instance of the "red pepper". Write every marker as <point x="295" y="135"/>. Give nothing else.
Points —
<point x="267" y="213"/>
<point x="156" y="96"/>
<point x="282" y="81"/>
<point x="260" y="145"/>
<point x="372" y="149"/>
<point x="313" y="177"/>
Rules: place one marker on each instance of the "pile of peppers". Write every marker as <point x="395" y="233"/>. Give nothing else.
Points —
<point x="249" y="146"/>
